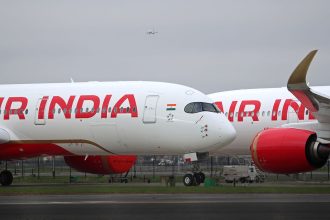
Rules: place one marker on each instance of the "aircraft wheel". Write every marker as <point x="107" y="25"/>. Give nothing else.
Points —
<point x="6" y="178"/>
<point x="198" y="178"/>
<point x="188" y="179"/>
<point x="202" y="176"/>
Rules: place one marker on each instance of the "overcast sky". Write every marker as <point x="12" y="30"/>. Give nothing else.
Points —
<point x="209" y="45"/>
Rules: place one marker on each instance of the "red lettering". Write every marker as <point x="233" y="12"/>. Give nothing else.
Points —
<point x="17" y="111"/>
<point x="66" y="107"/>
<point x="311" y="116"/>
<point x="1" y="100"/>
<point x="300" y="110"/>
<point x="80" y="104"/>
<point x="41" y="109"/>
<point x="105" y="106"/>
<point x="232" y="111"/>
<point x="275" y="109"/>
<point x="253" y="114"/>
<point x="118" y="109"/>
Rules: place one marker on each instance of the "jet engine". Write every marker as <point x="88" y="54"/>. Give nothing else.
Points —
<point x="113" y="164"/>
<point x="288" y="150"/>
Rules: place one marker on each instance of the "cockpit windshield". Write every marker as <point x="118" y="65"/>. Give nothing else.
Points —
<point x="196" y="107"/>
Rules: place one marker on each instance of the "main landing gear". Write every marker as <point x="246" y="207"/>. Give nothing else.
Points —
<point x="6" y="178"/>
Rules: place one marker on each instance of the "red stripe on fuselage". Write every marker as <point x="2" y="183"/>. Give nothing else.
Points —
<point x="16" y="151"/>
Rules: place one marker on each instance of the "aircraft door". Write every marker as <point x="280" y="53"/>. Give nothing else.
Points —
<point x="39" y="118"/>
<point x="150" y="109"/>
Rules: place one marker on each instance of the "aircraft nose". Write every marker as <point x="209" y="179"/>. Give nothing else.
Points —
<point x="228" y="133"/>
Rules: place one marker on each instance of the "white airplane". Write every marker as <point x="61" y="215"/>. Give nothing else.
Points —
<point x="97" y="119"/>
<point x="286" y="130"/>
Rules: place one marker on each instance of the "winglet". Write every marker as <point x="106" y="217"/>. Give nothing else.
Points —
<point x="299" y="88"/>
<point x="298" y="76"/>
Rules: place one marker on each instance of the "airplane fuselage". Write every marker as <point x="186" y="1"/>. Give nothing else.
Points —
<point x="252" y="110"/>
<point x="102" y="118"/>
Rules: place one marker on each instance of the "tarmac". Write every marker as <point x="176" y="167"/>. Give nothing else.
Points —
<point x="166" y="206"/>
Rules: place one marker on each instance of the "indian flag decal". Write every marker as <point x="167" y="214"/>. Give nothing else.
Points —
<point x="170" y="107"/>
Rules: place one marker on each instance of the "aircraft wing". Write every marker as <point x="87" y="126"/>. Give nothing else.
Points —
<point x="4" y="136"/>
<point x="318" y="104"/>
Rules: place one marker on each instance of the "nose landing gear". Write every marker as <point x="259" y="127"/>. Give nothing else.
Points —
<point x="196" y="177"/>
<point x="6" y="178"/>
<point x="193" y="179"/>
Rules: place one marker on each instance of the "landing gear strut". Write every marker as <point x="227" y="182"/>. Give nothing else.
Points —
<point x="6" y="178"/>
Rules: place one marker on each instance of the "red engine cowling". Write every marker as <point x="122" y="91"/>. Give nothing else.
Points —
<point x="113" y="164"/>
<point x="287" y="150"/>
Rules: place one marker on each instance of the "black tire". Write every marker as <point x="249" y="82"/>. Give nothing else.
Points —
<point x="6" y="178"/>
<point x="188" y="180"/>
<point x="198" y="179"/>
<point x="202" y="176"/>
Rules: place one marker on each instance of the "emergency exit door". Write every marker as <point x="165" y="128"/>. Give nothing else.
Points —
<point x="150" y="109"/>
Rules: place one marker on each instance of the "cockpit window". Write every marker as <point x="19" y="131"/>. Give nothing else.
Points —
<point x="195" y="107"/>
<point x="198" y="107"/>
<point x="189" y="108"/>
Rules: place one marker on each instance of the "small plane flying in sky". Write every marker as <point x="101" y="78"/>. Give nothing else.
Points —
<point x="286" y="130"/>
<point x="91" y="121"/>
<point x="151" y="31"/>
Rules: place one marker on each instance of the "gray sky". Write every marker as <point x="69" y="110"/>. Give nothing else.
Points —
<point x="209" y="45"/>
